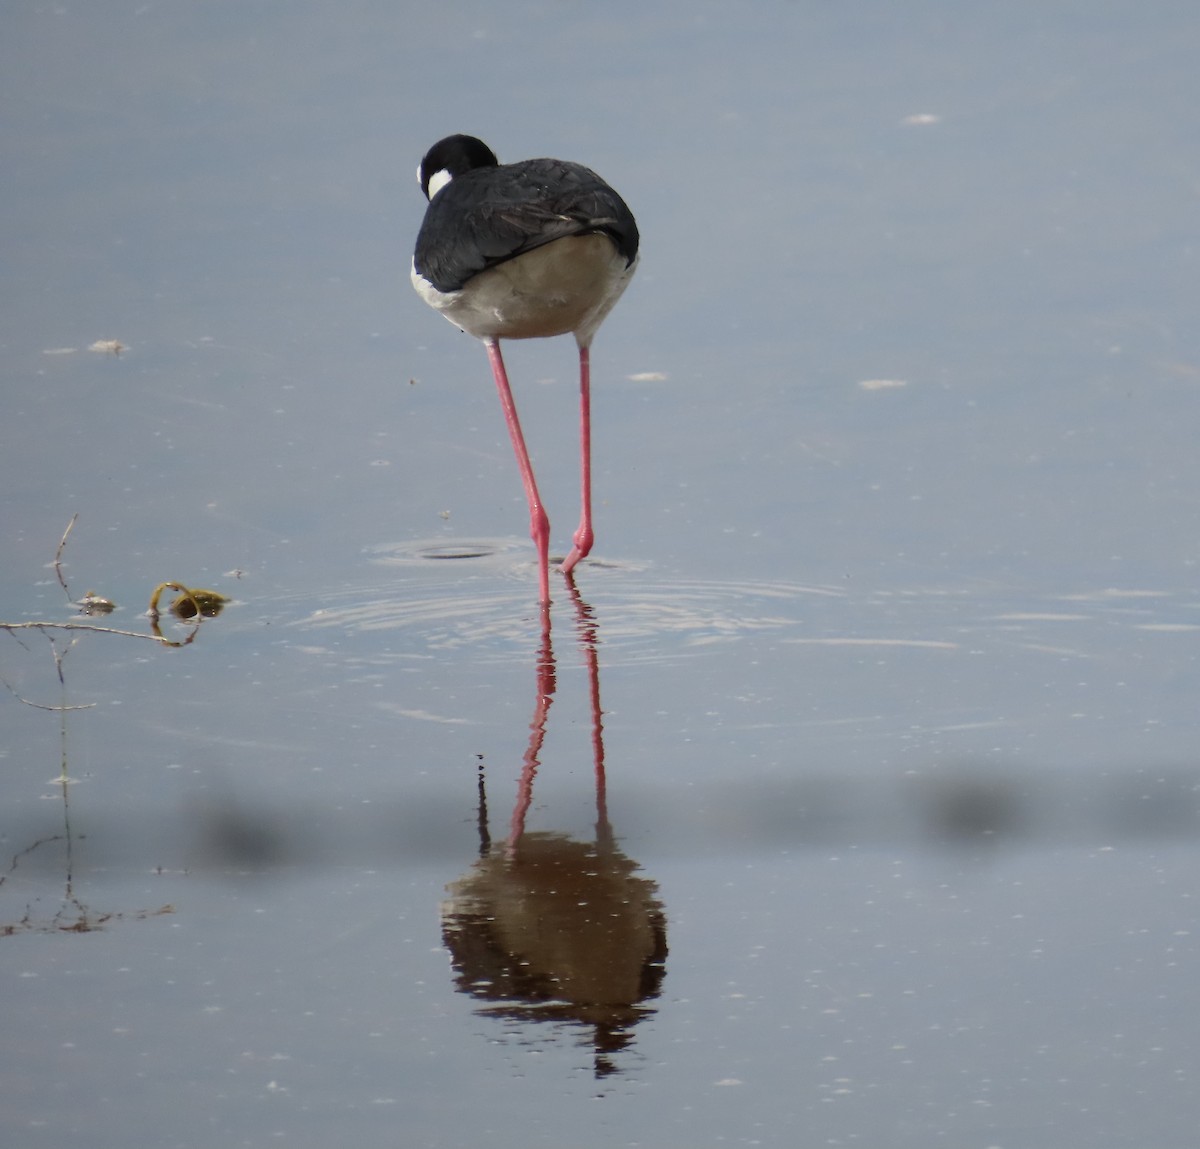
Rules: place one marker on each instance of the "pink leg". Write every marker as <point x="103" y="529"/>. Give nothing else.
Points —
<point x="585" y="623"/>
<point x="537" y="735"/>
<point x="539" y="523"/>
<point x="584" y="536"/>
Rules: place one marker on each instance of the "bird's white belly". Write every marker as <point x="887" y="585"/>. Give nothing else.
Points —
<point x="569" y="285"/>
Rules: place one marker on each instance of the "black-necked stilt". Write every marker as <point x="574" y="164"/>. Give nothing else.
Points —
<point x="524" y="251"/>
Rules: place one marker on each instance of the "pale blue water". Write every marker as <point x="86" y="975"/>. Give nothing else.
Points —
<point x="893" y="606"/>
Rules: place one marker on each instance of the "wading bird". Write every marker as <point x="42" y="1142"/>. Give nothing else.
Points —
<point x="524" y="251"/>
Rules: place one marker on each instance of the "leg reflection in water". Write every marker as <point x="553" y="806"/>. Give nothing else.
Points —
<point x="547" y="928"/>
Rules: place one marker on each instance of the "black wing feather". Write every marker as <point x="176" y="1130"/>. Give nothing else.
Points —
<point x="478" y="221"/>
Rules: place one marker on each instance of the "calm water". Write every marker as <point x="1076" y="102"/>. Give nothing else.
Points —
<point x="851" y="796"/>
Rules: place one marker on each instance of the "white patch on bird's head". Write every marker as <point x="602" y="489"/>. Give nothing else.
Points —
<point x="437" y="181"/>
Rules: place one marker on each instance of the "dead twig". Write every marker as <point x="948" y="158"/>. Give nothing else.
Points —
<point x="43" y="705"/>
<point x="71" y="625"/>
<point x="192" y="604"/>
<point x="58" y="554"/>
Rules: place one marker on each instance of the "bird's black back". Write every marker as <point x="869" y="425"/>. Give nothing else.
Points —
<point x="488" y="215"/>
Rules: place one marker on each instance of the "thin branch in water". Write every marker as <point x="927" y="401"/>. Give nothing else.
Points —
<point x="42" y="705"/>
<point x="44" y="626"/>
<point x="58" y="554"/>
<point x="58" y="656"/>
<point x="200" y="604"/>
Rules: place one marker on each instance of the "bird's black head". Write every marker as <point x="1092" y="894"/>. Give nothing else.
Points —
<point x="451" y="157"/>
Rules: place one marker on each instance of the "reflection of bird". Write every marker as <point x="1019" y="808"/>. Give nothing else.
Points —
<point x="523" y="251"/>
<point x="553" y="929"/>
<point x="559" y="930"/>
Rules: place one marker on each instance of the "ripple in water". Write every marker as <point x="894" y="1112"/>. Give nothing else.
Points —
<point x="486" y="602"/>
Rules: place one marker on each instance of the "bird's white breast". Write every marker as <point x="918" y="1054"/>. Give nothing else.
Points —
<point x="569" y="285"/>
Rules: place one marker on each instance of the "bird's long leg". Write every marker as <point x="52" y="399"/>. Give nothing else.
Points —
<point x="539" y="523"/>
<point x="584" y="536"/>
<point x="537" y="736"/>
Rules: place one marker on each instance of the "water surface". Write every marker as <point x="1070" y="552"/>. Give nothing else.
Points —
<point x="871" y="725"/>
